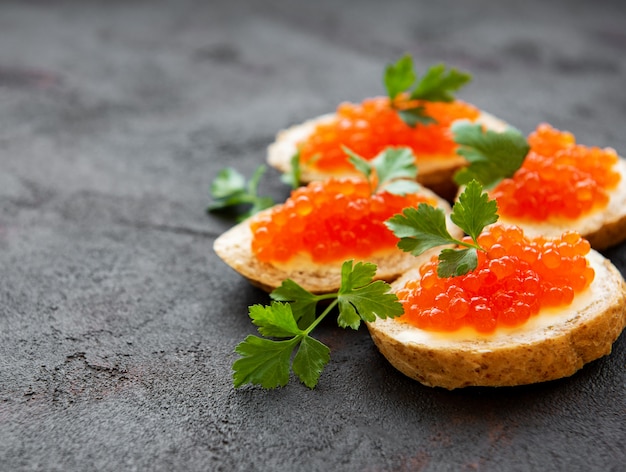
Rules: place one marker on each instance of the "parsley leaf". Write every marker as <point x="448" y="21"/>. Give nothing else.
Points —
<point x="415" y="116"/>
<point x="401" y="187"/>
<point x="420" y="229"/>
<point x="394" y="168"/>
<point x="424" y="228"/>
<point x="229" y="189"/>
<point x="399" y="76"/>
<point x="453" y="262"/>
<point x="361" y="299"/>
<point x="264" y="362"/>
<point x="395" y="163"/>
<point x="310" y="360"/>
<point x="267" y="362"/>
<point x="356" y="275"/>
<point x="294" y="176"/>
<point x="361" y="164"/>
<point x="276" y="320"/>
<point x="368" y="302"/>
<point x="303" y="302"/>
<point x="438" y="84"/>
<point x="228" y="182"/>
<point x="474" y="210"/>
<point x="492" y="156"/>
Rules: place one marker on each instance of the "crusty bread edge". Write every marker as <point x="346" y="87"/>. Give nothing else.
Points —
<point x="552" y="353"/>
<point x="234" y="248"/>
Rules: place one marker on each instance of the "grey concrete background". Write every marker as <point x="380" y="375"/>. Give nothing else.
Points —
<point x="118" y="322"/>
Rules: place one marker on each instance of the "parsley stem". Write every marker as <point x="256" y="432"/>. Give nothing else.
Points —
<point x="327" y="296"/>
<point x="469" y="245"/>
<point x="328" y="309"/>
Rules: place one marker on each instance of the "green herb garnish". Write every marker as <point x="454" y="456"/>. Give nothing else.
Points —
<point x="394" y="168"/>
<point x="424" y="227"/>
<point x="294" y="176"/>
<point x="230" y="189"/>
<point x="291" y="318"/>
<point x="492" y="155"/>
<point x="438" y="84"/>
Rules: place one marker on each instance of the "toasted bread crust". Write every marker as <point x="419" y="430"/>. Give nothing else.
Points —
<point x="434" y="172"/>
<point x="603" y="228"/>
<point x="526" y="357"/>
<point x="234" y="248"/>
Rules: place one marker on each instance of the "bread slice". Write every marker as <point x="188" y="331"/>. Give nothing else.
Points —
<point x="434" y="171"/>
<point x="551" y="345"/>
<point x="234" y="248"/>
<point x="603" y="227"/>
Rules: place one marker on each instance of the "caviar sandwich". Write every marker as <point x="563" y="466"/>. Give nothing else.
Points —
<point x="417" y="113"/>
<point x="502" y="308"/>
<point x="321" y="225"/>
<point x="548" y="183"/>
<point x="523" y="298"/>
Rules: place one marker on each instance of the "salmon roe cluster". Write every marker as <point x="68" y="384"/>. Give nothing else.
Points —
<point x="558" y="178"/>
<point x="515" y="278"/>
<point x="369" y="127"/>
<point x="331" y="220"/>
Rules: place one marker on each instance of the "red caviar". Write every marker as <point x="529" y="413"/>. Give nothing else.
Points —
<point x="369" y="127"/>
<point x="558" y="178"/>
<point x="515" y="278"/>
<point x="331" y="220"/>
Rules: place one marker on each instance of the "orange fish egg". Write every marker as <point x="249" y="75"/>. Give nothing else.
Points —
<point x="330" y="221"/>
<point x="516" y="277"/>
<point x="367" y="128"/>
<point x="558" y="178"/>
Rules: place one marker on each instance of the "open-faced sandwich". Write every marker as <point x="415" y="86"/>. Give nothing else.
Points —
<point x="415" y="114"/>
<point x="548" y="184"/>
<point x="308" y="237"/>
<point x="502" y="308"/>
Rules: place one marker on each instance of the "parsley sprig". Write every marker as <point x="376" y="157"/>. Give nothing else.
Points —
<point x="230" y="189"/>
<point x="290" y="319"/>
<point x="392" y="170"/>
<point x="492" y="155"/>
<point x="424" y="227"/>
<point x="438" y="84"/>
<point x="293" y="177"/>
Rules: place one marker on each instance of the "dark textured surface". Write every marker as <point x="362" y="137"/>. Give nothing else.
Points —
<point x="117" y="321"/>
